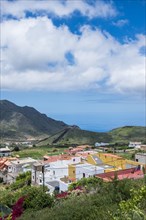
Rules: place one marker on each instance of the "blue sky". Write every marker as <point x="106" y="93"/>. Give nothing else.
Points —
<point x="82" y="62"/>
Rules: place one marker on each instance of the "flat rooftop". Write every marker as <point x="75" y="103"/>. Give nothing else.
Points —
<point x="5" y="149"/>
<point x="88" y="166"/>
<point x="23" y="161"/>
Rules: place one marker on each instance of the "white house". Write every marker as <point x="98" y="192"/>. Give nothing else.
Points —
<point x="61" y="178"/>
<point x="135" y="144"/>
<point x="5" y="152"/>
<point x="101" y="144"/>
<point x="50" y="173"/>
<point x="87" y="170"/>
<point x="18" y="166"/>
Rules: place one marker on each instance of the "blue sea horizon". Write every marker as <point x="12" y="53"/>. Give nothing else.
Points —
<point x="98" y="123"/>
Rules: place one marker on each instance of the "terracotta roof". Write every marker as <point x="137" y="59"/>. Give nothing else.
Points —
<point x="2" y="163"/>
<point x="5" y="161"/>
<point x="113" y="155"/>
<point x="57" y="157"/>
<point x="72" y="179"/>
<point x="131" y="173"/>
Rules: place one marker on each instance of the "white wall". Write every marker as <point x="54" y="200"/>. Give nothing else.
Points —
<point x="141" y="158"/>
<point x="51" y="188"/>
<point x="87" y="171"/>
<point x="54" y="170"/>
<point x="59" y="169"/>
<point x="63" y="186"/>
<point x="5" y="154"/>
<point x="36" y="177"/>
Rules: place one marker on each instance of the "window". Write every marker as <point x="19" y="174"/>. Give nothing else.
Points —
<point x="83" y="175"/>
<point x="40" y="181"/>
<point x="53" y="172"/>
<point x="33" y="177"/>
<point x="136" y="160"/>
<point x="74" y="159"/>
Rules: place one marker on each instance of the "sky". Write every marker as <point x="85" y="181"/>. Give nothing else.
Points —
<point x="80" y="61"/>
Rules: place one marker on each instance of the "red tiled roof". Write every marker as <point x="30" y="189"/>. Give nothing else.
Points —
<point x="4" y="162"/>
<point x="131" y="173"/>
<point x="57" y="157"/>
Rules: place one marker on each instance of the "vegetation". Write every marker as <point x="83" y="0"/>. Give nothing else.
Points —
<point x="22" y="180"/>
<point x="76" y="136"/>
<point x="120" y="136"/>
<point x="101" y="201"/>
<point x="88" y="199"/>
<point x="133" y="208"/>
<point x="35" y="197"/>
<point x="38" y="152"/>
<point x="129" y="133"/>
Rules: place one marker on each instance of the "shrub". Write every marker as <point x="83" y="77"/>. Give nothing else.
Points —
<point x="36" y="198"/>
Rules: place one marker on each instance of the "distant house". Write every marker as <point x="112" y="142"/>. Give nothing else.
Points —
<point x="4" y="164"/>
<point x="5" y="152"/>
<point x="102" y="144"/>
<point x="143" y="147"/>
<point x="141" y="158"/>
<point x="135" y="144"/>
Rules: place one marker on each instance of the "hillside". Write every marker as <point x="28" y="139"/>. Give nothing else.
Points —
<point x="25" y="122"/>
<point x="129" y="133"/>
<point x="74" y="135"/>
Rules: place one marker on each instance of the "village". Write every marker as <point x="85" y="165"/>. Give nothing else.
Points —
<point x="57" y="172"/>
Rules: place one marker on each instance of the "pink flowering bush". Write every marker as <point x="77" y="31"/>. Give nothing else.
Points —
<point x="17" y="210"/>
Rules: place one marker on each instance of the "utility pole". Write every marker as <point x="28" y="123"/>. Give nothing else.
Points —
<point x="43" y="172"/>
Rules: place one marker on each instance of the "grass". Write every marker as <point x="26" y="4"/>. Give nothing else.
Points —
<point x="38" y="152"/>
<point x="126" y="155"/>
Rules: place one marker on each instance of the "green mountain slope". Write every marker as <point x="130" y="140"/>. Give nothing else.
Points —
<point x="74" y="135"/>
<point x="25" y="122"/>
<point x="129" y="133"/>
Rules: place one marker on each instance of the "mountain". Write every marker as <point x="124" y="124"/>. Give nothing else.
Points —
<point x="74" y="135"/>
<point x="25" y="122"/>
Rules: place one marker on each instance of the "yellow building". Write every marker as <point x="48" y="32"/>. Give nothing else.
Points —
<point x="72" y="171"/>
<point x="116" y="162"/>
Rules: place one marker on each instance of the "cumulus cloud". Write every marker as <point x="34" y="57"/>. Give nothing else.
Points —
<point x="19" y="8"/>
<point x="120" y="23"/>
<point x="34" y="56"/>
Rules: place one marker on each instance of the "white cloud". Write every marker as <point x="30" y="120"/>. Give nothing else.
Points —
<point x="120" y="23"/>
<point x="34" y="57"/>
<point x="18" y="8"/>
